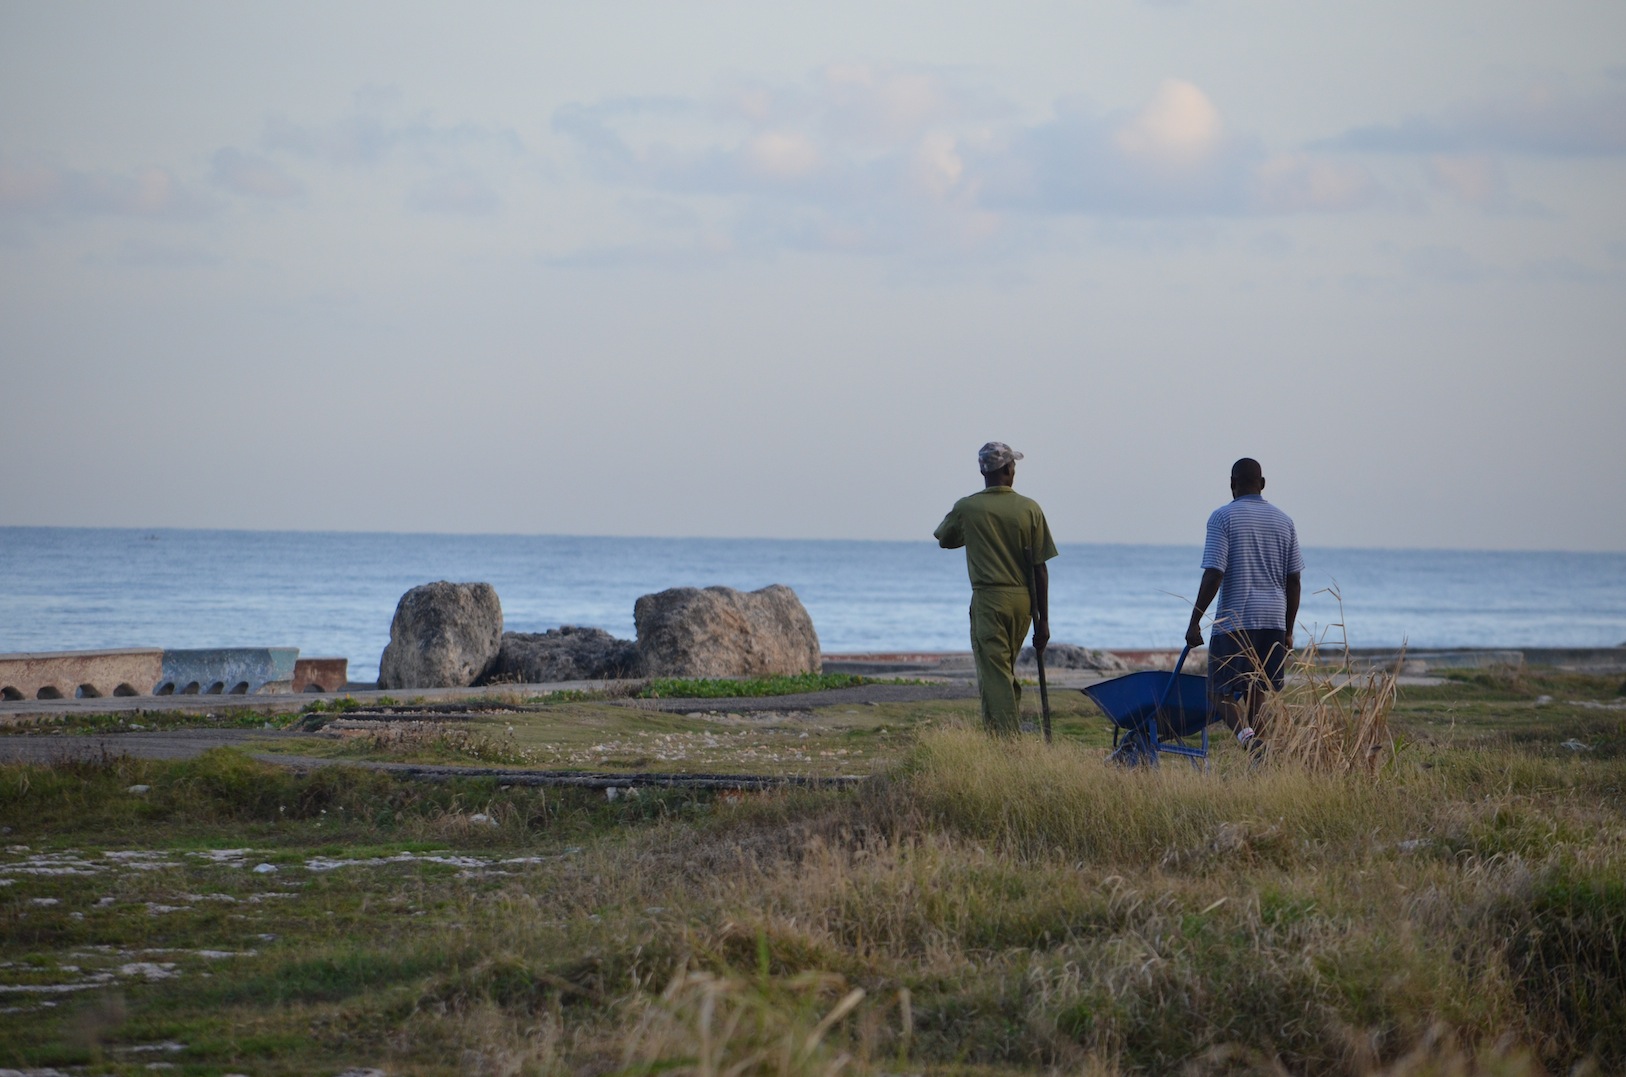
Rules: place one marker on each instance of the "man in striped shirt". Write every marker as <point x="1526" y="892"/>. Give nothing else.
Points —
<point x="1251" y="560"/>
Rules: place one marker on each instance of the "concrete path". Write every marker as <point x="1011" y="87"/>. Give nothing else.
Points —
<point x="189" y="743"/>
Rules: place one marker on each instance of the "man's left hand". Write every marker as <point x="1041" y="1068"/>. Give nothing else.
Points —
<point x="1041" y="635"/>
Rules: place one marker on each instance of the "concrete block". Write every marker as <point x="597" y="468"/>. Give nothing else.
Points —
<point x="81" y="674"/>
<point x="232" y="671"/>
<point x="321" y="674"/>
<point x="1418" y="663"/>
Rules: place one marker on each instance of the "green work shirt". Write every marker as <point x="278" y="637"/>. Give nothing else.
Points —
<point x="997" y="526"/>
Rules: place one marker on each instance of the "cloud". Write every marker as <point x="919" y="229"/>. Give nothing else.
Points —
<point x="53" y="192"/>
<point x="1475" y="179"/>
<point x="1563" y="270"/>
<point x="660" y="213"/>
<point x="849" y="132"/>
<point x="366" y="140"/>
<point x="1296" y="183"/>
<point x="24" y="189"/>
<point x="376" y="130"/>
<point x="1479" y="181"/>
<point x="683" y="147"/>
<point x="252" y="175"/>
<point x="872" y="159"/>
<point x="1173" y="157"/>
<point x="147" y="254"/>
<point x="1178" y="129"/>
<point x="459" y="193"/>
<point x="706" y="250"/>
<point x="782" y="154"/>
<point x="1451" y="264"/>
<point x="879" y="106"/>
<point x="1546" y="119"/>
<point x="1142" y="164"/>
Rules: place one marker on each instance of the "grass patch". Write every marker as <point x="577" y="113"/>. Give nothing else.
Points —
<point x="150" y="721"/>
<point x="986" y="907"/>
<point x="343" y="705"/>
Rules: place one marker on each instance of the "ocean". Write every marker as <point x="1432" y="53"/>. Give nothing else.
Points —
<point x="335" y="593"/>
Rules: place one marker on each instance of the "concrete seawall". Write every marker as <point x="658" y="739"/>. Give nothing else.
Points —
<point x="1413" y="661"/>
<point x="235" y="671"/>
<point x="149" y="671"/>
<point x="80" y="674"/>
<point x="321" y="674"/>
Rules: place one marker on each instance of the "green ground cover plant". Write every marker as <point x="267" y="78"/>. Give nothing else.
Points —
<point x="225" y="717"/>
<point x="977" y="907"/>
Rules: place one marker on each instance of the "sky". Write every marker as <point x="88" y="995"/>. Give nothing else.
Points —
<point x="778" y="269"/>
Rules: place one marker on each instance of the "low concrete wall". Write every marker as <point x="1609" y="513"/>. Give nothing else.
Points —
<point x="233" y="671"/>
<point x="321" y="674"/>
<point x="81" y="674"/>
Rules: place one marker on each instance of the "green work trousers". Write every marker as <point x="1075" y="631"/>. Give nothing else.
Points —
<point x="999" y="623"/>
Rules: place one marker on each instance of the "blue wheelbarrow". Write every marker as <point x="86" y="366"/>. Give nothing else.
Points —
<point x="1153" y="712"/>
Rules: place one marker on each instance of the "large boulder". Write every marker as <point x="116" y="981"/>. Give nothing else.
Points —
<point x="568" y="653"/>
<point x="445" y="635"/>
<point x="1072" y="656"/>
<point x="721" y="632"/>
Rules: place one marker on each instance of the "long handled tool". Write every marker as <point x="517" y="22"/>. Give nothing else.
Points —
<point x="1038" y="654"/>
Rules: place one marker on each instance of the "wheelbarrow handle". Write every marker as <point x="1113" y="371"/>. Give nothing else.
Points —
<point x="1178" y="665"/>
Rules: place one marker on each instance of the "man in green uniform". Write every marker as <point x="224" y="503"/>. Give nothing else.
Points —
<point x="1000" y="530"/>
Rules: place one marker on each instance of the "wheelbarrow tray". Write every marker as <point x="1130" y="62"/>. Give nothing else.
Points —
<point x="1131" y="701"/>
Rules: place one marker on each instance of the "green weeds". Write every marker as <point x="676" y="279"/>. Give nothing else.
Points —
<point x="344" y="705"/>
<point x="134" y="721"/>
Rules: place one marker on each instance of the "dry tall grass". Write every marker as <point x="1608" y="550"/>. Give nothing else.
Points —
<point x="1024" y="908"/>
<point x="706" y="1025"/>
<point x="1330" y="718"/>
<point x="1035" y="799"/>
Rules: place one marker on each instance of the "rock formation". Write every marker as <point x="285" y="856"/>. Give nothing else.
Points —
<point x="445" y="635"/>
<point x="1072" y="656"/>
<point x="721" y="632"/>
<point x="569" y="653"/>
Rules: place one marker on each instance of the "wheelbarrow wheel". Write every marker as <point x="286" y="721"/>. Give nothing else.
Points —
<point x="1135" y="749"/>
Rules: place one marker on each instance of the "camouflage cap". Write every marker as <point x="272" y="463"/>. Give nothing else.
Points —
<point x="995" y="455"/>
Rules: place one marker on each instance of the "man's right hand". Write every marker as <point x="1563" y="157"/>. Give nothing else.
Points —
<point x="1194" y="635"/>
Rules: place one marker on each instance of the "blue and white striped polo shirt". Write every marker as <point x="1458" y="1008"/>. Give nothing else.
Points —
<point x="1255" y="544"/>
